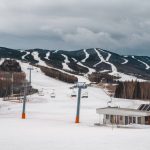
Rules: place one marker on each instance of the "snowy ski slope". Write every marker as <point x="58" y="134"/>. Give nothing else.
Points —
<point x="50" y="121"/>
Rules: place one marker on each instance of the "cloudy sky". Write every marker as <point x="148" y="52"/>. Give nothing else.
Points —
<point x="122" y="26"/>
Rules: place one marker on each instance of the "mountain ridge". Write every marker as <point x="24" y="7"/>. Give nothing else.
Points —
<point x="84" y="61"/>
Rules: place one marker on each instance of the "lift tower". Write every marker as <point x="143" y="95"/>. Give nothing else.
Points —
<point x="80" y="86"/>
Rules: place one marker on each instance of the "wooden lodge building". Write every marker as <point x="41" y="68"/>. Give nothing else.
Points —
<point x="125" y="116"/>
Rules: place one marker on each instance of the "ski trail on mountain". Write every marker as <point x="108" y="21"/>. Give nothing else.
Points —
<point x="55" y="51"/>
<point x="125" y="61"/>
<point x="74" y="59"/>
<point x="100" y="57"/>
<point x="47" y="55"/>
<point x="90" y="69"/>
<point x="146" y="65"/>
<point x="86" y="56"/>
<point x="114" y="69"/>
<point x="65" y="64"/>
<point x="42" y="63"/>
<point x="27" y="53"/>
<point x="108" y="57"/>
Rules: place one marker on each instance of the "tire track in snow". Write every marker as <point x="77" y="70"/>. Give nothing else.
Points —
<point x="146" y="65"/>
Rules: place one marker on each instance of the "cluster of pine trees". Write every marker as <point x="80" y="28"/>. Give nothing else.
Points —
<point x="59" y="75"/>
<point x="9" y="80"/>
<point x="10" y="65"/>
<point x="133" y="90"/>
<point x="101" y="77"/>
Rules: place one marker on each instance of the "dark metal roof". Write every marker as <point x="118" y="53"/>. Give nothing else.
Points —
<point x="145" y="107"/>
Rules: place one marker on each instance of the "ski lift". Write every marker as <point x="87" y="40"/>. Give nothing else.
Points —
<point x="73" y="94"/>
<point x="53" y="94"/>
<point x="85" y="94"/>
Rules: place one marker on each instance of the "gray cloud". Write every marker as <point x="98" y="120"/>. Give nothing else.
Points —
<point x="119" y="25"/>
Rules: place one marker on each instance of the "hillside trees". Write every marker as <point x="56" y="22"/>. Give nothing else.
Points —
<point x="133" y="90"/>
<point x="59" y="75"/>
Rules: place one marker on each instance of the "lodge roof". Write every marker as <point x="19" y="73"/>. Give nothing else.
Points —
<point x="122" y="111"/>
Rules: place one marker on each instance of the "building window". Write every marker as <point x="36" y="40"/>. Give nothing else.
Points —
<point x="107" y="116"/>
<point x="121" y="118"/>
<point x="126" y="120"/>
<point x="112" y="119"/>
<point x="139" y="120"/>
<point x="146" y="120"/>
<point x="130" y="120"/>
<point x="134" y="119"/>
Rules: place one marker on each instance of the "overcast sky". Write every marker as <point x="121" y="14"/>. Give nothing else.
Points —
<point x="122" y="26"/>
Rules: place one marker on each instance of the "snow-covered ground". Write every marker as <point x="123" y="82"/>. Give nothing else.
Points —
<point x="50" y="121"/>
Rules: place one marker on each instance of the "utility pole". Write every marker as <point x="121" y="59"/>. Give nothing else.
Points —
<point x="80" y="86"/>
<point x="30" y="69"/>
<point x="12" y="86"/>
<point x="24" y="101"/>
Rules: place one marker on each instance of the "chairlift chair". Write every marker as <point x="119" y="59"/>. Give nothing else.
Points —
<point x="85" y="94"/>
<point x="73" y="94"/>
<point x="53" y="94"/>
